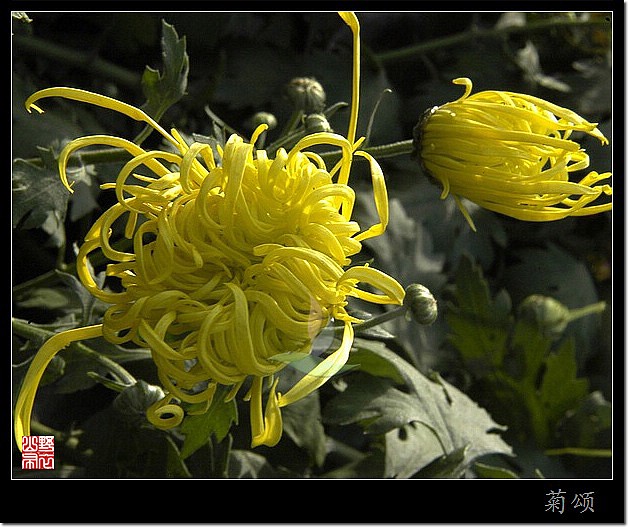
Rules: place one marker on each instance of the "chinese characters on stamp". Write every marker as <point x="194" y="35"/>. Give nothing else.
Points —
<point x="38" y="453"/>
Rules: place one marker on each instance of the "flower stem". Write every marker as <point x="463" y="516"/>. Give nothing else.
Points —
<point x="580" y="312"/>
<point x="576" y="451"/>
<point x="398" y="148"/>
<point x="80" y="59"/>
<point x="380" y="319"/>
<point x="401" y="54"/>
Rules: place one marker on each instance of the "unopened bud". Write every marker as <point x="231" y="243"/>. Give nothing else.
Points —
<point x="262" y="118"/>
<point x="132" y="402"/>
<point x="306" y="94"/>
<point x="316" y="122"/>
<point x="421" y="304"/>
<point x="546" y="313"/>
<point x="417" y="132"/>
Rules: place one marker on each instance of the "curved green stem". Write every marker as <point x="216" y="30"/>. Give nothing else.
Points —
<point x="80" y="59"/>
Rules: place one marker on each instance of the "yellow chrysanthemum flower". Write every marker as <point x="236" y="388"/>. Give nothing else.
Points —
<point x="235" y="261"/>
<point x="510" y="153"/>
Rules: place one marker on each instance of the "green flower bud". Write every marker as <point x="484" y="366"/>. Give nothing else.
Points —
<point x="552" y="317"/>
<point x="262" y="118"/>
<point x="132" y="402"/>
<point x="420" y="303"/>
<point x="306" y="95"/>
<point x="316" y="122"/>
<point x="546" y="313"/>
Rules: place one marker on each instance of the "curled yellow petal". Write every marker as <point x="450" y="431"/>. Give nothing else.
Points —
<point x="26" y="397"/>
<point x="164" y="414"/>
<point x="322" y="372"/>
<point x="267" y="430"/>
<point x="97" y="100"/>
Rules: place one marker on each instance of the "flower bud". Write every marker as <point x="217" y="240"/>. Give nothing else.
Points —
<point x="421" y="304"/>
<point x="306" y="94"/>
<point x="132" y="402"/>
<point x="316" y="122"/>
<point x="546" y="313"/>
<point x="511" y="153"/>
<point x="262" y="118"/>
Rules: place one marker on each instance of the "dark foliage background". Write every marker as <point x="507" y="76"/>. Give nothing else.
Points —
<point x="239" y="64"/>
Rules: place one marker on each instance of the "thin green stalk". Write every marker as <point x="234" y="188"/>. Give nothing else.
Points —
<point x="399" y="148"/>
<point x="95" y="157"/>
<point x="576" y="451"/>
<point x="80" y="59"/>
<point x="580" y="312"/>
<point x="408" y="52"/>
<point x="376" y="320"/>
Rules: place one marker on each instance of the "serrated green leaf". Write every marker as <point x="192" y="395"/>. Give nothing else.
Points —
<point x="217" y="421"/>
<point x="162" y="90"/>
<point x="451" y="465"/>
<point x="454" y="419"/>
<point x="408" y="447"/>
<point x="86" y="299"/>
<point x="528" y="351"/>
<point x="37" y="195"/>
<point x="375" y="404"/>
<point x="560" y="388"/>
<point x="372" y="363"/>
<point x="479" y="325"/>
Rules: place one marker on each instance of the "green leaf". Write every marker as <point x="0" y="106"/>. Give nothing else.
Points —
<point x="373" y="403"/>
<point x="37" y="195"/>
<point x="369" y="362"/>
<point x="244" y="464"/>
<point x="216" y="420"/>
<point x="453" y="419"/>
<point x="529" y="348"/>
<point x="86" y="299"/>
<point x="120" y="449"/>
<point x="162" y="90"/>
<point x="408" y="447"/>
<point x="560" y="389"/>
<point x="450" y="465"/>
<point x="553" y="272"/>
<point x="480" y="325"/>
<point x="589" y="425"/>
<point x="175" y="466"/>
<point x="302" y="423"/>
<point x="492" y="472"/>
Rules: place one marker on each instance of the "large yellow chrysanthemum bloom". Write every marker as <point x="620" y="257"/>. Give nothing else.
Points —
<point x="235" y="260"/>
<point x="510" y="153"/>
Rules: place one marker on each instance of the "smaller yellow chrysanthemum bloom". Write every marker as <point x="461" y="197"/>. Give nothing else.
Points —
<point x="236" y="260"/>
<point x="510" y="153"/>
